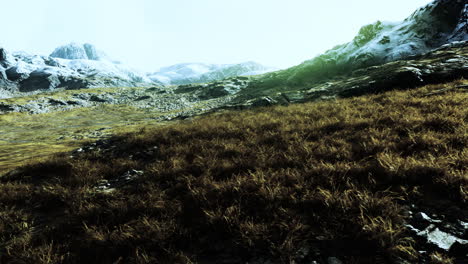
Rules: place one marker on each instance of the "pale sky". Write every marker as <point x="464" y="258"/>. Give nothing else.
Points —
<point x="149" y="34"/>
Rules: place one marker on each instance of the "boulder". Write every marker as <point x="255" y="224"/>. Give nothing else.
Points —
<point x="39" y="80"/>
<point x="17" y="73"/>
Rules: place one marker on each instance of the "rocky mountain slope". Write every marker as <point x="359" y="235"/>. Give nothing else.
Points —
<point x="187" y="73"/>
<point x="447" y="63"/>
<point x="440" y="22"/>
<point x="74" y="66"/>
<point x="71" y="66"/>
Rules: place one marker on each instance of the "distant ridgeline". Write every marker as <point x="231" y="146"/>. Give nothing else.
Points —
<point x="80" y="66"/>
<point x="74" y="66"/>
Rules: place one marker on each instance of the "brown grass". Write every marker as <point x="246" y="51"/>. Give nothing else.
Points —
<point x="334" y="176"/>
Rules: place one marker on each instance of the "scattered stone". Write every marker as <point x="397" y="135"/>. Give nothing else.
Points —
<point x="141" y="98"/>
<point x="57" y="102"/>
<point x="438" y="235"/>
<point x="440" y="238"/>
<point x="420" y="216"/>
<point x="101" y="98"/>
<point x="264" y="101"/>
<point x="108" y="186"/>
<point x="333" y="260"/>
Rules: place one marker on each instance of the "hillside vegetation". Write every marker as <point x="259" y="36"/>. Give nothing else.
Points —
<point x="235" y="187"/>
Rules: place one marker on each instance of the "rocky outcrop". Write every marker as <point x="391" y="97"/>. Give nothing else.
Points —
<point x="45" y="80"/>
<point x="230" y="86"/>
<point x="6" y="86"/>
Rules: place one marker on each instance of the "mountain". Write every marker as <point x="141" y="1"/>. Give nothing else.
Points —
<point x="444" y="64"/>
<point x="438" y="23"/>
<point x="70" y="66"/>
<point x="75" y="51"/>
<point x="187" y="73"/>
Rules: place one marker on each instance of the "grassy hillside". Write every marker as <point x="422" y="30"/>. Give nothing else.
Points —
<point x="25" y="137"/>
<point x="337" y="176"/>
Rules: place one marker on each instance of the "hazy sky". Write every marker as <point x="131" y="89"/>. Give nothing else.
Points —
<point x="149" y="34"/>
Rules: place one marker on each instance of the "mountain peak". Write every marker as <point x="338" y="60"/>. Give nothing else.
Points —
<point x="76" y="51"/>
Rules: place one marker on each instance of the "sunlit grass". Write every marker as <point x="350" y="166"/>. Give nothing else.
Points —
<point x="25" y="137"/>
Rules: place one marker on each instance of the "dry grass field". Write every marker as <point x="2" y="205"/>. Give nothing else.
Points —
<point x="233" y="186"/>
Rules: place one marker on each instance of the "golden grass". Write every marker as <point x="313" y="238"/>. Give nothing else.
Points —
<point x="27" y="137"/>
<point x="332" y="175"/>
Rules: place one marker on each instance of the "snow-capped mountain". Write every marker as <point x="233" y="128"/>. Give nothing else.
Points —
<point x="70" y="66"/>
<point x="438" y="23"/>
<point x="75" y="51"/>
<point x="187" y="73"/>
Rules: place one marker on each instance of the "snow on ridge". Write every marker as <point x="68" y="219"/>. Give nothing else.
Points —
<point x="186" y="73"/>
<point x="438" y="23"/>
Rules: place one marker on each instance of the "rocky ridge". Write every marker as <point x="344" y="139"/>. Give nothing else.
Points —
<point x="69" y="67"/>
<point x="447" y="63"/>
<point x="189" y="73"/>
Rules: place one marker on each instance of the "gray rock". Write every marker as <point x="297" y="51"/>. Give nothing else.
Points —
<point x="420" y="216"/>
<point x="39" y="80"/>
<point x="3" y="76"/>
<point x="101" y="98"/>
<point x="78" y="102"/>
<point x="263" y="101"/>
<point x="72" y="51"/>
<point x="57" y="102"/>
<point x="334" y="260"/>
<point x="142" y="98"/>
<point x="74" y="82"/>
<point x="107" y="186"/>
<point x="441" y="239"/>
<point x="5" y="108"/>
<point x="16" y="74"/>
